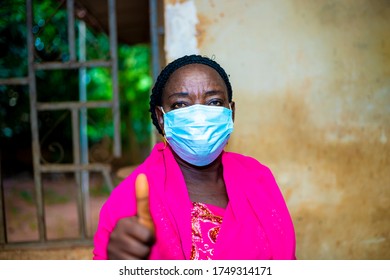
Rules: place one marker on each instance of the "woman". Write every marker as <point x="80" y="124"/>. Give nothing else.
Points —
<point x="205" y="203"/>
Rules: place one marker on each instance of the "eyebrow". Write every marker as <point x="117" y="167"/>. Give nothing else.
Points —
<point x="178" y="94"/>
<point x="207" y="93"/>
<point x="214" y="92"/>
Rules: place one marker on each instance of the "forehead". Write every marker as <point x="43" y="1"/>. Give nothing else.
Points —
<point x="195" y="74"/>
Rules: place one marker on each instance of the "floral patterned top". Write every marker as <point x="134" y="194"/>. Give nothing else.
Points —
<point x="206" y="223"/>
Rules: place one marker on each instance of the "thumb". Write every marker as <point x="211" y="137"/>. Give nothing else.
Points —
<point x="142" y="198"/>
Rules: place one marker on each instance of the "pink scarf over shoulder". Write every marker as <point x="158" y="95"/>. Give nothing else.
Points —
<point x="256" y="223"/>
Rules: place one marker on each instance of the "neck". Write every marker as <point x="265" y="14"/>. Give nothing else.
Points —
<point x="205" y="183"/>
<point x="198" y="176"/>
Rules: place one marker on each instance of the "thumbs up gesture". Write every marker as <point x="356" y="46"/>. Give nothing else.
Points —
<point x="133" y="237"/>
<point x="142" y="196"/>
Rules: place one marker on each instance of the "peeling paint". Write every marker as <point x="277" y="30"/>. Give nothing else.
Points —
<point x="312" y="92"/>
<point x="180" y="29"/>
<point x="201" y="29"/>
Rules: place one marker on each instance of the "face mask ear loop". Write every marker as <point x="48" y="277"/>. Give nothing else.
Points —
<point x="230" y="106"/>
<point x="164" y="138"/>
<point x="165" y="141"/>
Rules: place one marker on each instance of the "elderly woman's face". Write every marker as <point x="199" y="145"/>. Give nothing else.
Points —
<point x="193" y="84"/>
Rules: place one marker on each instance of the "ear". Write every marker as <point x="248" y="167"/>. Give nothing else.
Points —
<point x="160" y="118"/>
<point x="233" y="106"/>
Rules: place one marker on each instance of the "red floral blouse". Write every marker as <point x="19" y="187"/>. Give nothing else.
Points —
<point x="206" y="223"/>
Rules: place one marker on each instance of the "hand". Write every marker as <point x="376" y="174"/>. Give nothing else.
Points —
<point x="133" y="237"/>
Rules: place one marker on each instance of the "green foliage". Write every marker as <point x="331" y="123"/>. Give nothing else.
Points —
<point x="135" y="81"/>
<point x="50" y="36"/>
<point x="13" y="51"/>
<point x="50" y="43"/>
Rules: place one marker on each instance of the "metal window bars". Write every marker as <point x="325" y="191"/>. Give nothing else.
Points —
<point x="77" y="109"/>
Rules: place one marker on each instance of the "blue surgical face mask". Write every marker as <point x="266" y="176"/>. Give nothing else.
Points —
<point x="198" y="133"/>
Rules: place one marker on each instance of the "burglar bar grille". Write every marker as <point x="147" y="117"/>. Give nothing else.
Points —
<point x="75" y="109"/>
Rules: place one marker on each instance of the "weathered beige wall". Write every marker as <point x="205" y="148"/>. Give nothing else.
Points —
<point x="311" y="82"/>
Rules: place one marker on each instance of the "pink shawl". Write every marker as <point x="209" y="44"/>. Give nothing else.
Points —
<point x="256" y="224"/>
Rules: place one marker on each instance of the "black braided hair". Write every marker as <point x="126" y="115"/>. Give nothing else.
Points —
<point x="156" y="96"/>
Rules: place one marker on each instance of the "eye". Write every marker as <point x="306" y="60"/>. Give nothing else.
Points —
<point x="215" y="102"/>
<point x="178" y="105"/>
